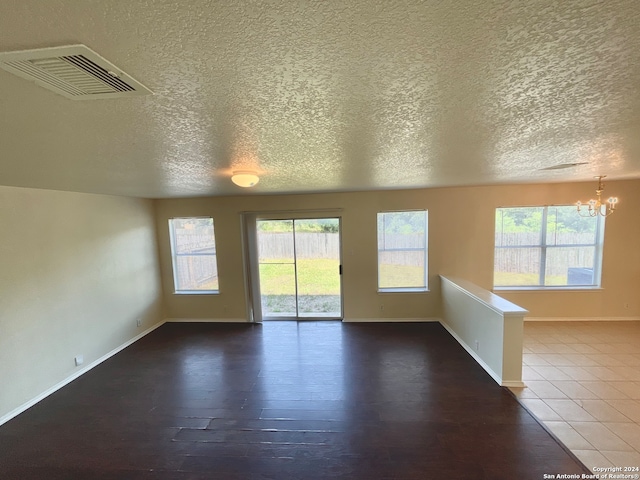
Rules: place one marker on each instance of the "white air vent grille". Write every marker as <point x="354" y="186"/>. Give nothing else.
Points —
<point x="75" y="71"/>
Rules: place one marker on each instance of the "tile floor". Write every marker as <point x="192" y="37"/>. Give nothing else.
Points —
<point x="583" y="382"/>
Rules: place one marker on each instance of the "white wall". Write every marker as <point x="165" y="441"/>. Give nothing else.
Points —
<point x="76" y="272"/>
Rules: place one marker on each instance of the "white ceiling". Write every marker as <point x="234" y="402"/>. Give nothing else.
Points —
<point x="327" y="95"/>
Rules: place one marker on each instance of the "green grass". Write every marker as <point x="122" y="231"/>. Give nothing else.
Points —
<point x="315" y="276"/>
<point x="399" y="276"/>
<point x="320" y="277"/>
<point x="526" y="279"/>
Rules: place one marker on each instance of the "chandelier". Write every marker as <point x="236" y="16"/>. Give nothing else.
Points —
<point x="598" y="207"/>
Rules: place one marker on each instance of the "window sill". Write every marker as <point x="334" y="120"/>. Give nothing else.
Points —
<point x="573" y="288"/>
<point x="403" y="290"/>
<point x="197" y="292"/>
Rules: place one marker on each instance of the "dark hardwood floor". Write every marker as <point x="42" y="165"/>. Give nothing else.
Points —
<point x="285" y="400"/>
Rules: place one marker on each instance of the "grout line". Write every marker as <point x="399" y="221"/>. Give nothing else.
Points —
<point x="550" y="432"/>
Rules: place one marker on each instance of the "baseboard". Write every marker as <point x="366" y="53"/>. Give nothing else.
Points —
<point x="25" y="406"/>
<point x="390" y="320"/>
<point x="581" y="319"/>
<point x="475" y="356"/>
<point x="513" y="384"/>
<point x="206" y="320"/>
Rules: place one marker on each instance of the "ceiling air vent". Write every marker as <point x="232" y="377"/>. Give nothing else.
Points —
<point x="75" y="71"/>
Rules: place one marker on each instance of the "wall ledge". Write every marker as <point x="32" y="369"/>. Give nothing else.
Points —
<point x="25" y="406"/>
<point x="494" y="302"/>
<point x="582" y="319"/>
<point x="389" y="320"/>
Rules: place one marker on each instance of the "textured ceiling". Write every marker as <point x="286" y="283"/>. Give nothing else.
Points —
<point x="327" y="95"/>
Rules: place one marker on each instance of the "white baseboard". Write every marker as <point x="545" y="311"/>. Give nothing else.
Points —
<point x="206" y="320"/>
<point x="481" y="362"/>
<point x="17" y="411"/>
<point x="513" y="384"/>
<point x="390" y="320"/>
<point x="581" y="319"/>
<point x="346" y="320"/>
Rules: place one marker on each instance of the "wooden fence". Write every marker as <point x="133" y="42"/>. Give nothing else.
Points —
<point x="513" y="255"/>
<point x="279" y="245"/>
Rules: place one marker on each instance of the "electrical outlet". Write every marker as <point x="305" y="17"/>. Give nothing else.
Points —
<point x="381" y="307"/>
<point x="138" y="322"/>
<point x="477" y="343"/>
<point x="79" y="359"/>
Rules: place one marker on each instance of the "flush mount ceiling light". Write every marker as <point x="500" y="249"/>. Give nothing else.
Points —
<point x="245" y="178"/>
<point x="597" y="207"/>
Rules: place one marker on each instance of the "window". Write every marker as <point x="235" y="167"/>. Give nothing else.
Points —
<point x="402" y="251"/>
<point x="193" y="251"/>
<point x="539" y="247"/>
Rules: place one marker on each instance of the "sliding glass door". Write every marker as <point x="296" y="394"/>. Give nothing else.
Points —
<point x="299" y="268"/>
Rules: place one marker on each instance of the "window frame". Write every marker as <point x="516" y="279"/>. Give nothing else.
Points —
<point x="598" y="247"/>
<point x="174" y="257"/>
<point x="424" y="249"/>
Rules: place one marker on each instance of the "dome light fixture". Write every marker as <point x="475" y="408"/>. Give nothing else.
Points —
<point x="245" y="178"/>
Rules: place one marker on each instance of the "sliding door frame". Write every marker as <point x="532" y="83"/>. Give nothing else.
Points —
<point x="253" y="293"/>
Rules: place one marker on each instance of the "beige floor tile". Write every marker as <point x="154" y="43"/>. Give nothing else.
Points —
<point x="608" y="361"/>
<point x="624" y="374"/>
<point x="631" y="389"/>
<point x="604" y="373"/>
<point x="601" y="347"/>
<point x="545" y="389"/>
<point x="592" y="459"/>
<point x="602" y="411"/>
<point x="568" y="436"/>
<point x="628" y="359"/>
<point x="589" y="338"/>
<point x="634" y="375"/>
<point x="569" y="410"/>
<point x="629" y="432"/>
<point x="574" y="390"/>
<point x="558" y="360"/>
<point x="582" y="360"/>
<point x="541" y="410"/>
<point x="623" y="459"/>
<point x="579" y="373"/>
<point x="628" y="407"/>
<point x="604" y="390"/>
<point x="584" y="348"/>
<point x="564" y="338"/>
<point x="528" y="373"/>
<point x="533" y="359"/>
<point x="564" y="348"/>
<point x="628" y="372"/>
<point x="540" y="348"/>
<point x="549" y="372"/>
<point x="624" y="347"/>
<point x="600" y="436"/>
<point x="602" y="363"/>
